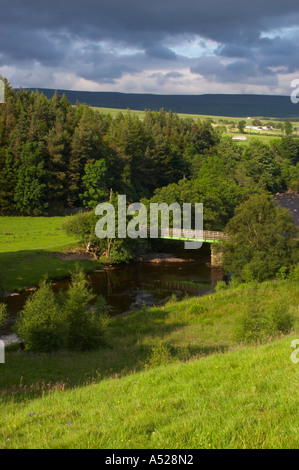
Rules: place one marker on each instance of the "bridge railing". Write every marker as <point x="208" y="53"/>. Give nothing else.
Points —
<point x="195" y="234"/>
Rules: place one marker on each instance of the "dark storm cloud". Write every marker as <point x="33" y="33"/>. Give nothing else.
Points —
<point x="86" y="37"/>
<point x="160" y="52"/>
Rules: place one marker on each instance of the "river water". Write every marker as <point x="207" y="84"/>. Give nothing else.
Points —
<point x="127" y="286"/>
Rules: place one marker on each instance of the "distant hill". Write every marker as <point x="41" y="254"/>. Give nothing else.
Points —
<point x="214" y="105"/>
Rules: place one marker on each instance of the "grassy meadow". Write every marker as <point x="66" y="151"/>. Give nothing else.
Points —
<point x="28" y="248"/>
<point x="231" y="123"/>
<point x="166" y="377"/>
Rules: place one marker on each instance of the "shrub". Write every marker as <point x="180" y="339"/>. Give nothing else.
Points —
<point x="3" y="313"/>
<point x="294" y="275"/>
<point x="86" y="323"/>
<point x="280" y="319"/>
<point x="41" y="325"/>
<point x="197" y="309"/>
<point x="50" y="322"/>
<point x="159" y="355"/>
<point x="221" y="285"/>
<point x="260" y="322"/>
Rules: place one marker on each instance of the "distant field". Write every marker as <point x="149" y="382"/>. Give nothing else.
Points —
<point x="216" y="119"/>
<point x="140" y="114"/>
<point x="27" y="247"/>
<point x="263" y="136"/>
<point x="266" y="138"/>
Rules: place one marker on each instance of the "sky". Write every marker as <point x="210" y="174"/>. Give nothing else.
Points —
<point x="151" y="46"/>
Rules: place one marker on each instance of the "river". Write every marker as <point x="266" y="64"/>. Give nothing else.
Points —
<point x="127" y="286"/>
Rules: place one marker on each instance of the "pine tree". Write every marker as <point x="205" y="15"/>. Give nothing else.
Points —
<point x="30" y="191"/>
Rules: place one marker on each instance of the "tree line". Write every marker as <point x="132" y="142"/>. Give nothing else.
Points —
<point x="55" y="156"/>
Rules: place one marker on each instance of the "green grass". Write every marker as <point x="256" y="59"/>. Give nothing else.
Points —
<point x="208" y="392"/>
<point x="243" y="399"/>
<point x="263" y="136"/>
<point x="33" y="233"/>
<point x="27" y="247"/>
<point x="216" y="119"/>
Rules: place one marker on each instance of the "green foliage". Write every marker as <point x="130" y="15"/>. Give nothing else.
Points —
<point x="197" y="309"/>
<point x="95" y="184"/>
<point x="30" y="191"/>
<point x="288" y="128"/>
<point x="294" y="274"/>
<point x="82" y="226"/>
<point x="221" y="285"/>
<point x="261" y="240"/>
<point x="260" y="322"/>
<point x="160" y="355"/>
<point x="282" y="273"/>
<point x="241" y="126"/>
<point x="262" y="167"/>
<point x="54" y="156"/>
<point x="49" y="322"/>
<point x="41" y="324"/>
<point x="86" y="323"/>
<point x="3" y="313"/>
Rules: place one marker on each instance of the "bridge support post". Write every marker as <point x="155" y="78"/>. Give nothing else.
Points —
<point x="216" y="255"/>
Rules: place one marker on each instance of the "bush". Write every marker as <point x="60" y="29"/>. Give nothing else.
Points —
<point x="197" y="309"/>
<point x="50" y="322"/>
<point x="3" y="313"/>
<point x="294" y="274"/>
<point x="86" y="323"/>
<point x="260" y="322"/>
<point x="159" y="355"/>
<point x="41" y="324"/>
<point x="221" y="285"/>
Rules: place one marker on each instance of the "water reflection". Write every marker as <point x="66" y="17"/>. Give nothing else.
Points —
<point x="127" y="287"/>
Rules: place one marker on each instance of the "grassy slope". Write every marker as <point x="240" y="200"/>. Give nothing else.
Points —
<point x="244" y="399"/>
<point x="201" y="397"/>
<point x="27" y="245"/>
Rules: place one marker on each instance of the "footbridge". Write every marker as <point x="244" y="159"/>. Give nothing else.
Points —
<point x="206" y="236"/>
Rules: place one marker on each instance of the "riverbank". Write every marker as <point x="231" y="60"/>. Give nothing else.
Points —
<point x="163" y="258"/>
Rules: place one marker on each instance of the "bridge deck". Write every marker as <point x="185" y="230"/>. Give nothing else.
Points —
<point x="208" y="236"/>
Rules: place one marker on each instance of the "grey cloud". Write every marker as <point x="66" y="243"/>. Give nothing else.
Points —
<point x="163" y="78"/>
<point x="160" y="52"/>
<point x="239" y="71"/>
<point x="69" y="36"/>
